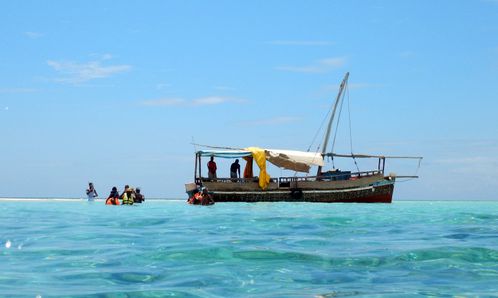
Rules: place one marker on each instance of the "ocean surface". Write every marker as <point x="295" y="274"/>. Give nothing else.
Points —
<point x="76" y="248"/>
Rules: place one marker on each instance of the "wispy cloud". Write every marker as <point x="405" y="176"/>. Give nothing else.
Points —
<point x="17" y="90"/>
<point x="102" y="57"/>
<point x="300" y="42"/>
<point x="75" y="73"/>
<point x="479" y="165"/>
<point x="320" y="66"/>
<point x="209" y="101"/>
<point x="33" y="35"/>
<point x="280" y="120"/>
<point x="472" y="160"/>
<point x="164" y="102"/>
<point x="196" y="102"/>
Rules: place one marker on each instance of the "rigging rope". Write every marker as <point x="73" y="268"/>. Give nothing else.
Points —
<point x="416" y="172"/>
<point x="318" y="131"/>
<point x="337" y="123"/>
<point x="350" y="131"/>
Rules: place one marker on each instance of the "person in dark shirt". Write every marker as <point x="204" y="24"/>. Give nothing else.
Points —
<point x="235" y="170"/>
<point x="139" y="197"/>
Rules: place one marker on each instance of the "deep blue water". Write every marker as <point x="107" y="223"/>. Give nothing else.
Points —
<point x="169" y="248"/>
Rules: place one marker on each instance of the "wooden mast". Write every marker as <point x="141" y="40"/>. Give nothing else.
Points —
<point x="329" y="127"/>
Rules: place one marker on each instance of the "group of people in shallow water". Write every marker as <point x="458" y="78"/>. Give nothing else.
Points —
<point x="129" y="196"/>
<point x="201" y="197"/>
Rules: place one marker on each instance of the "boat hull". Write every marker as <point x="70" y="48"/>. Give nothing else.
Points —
<point x="380" y="193"/>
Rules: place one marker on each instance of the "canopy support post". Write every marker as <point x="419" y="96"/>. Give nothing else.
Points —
<point x="200" y="166"/>
<point x="196" y="164"/>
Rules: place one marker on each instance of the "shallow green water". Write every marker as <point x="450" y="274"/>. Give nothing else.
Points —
<point x="169" y="248"/>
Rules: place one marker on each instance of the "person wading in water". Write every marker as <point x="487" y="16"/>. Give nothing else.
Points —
<point x="91" y="193"/>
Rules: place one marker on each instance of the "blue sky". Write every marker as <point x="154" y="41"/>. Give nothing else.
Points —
<point x="114" y="93"/>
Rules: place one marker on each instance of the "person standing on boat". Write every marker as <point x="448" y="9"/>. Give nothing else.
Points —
<point x="91" y="193"/>
<point x="235" y="170"/>
<point x="212" y="168"/>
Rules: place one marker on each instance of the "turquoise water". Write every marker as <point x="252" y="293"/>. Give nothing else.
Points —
<point x="169" y="248"/>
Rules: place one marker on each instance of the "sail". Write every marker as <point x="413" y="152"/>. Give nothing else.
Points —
<point x="294" y="160"/>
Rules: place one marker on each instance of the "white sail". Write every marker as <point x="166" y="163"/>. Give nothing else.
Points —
<point x="294" y="160"/>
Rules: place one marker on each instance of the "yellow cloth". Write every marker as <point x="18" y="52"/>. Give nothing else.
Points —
<point x="260" y="157"/>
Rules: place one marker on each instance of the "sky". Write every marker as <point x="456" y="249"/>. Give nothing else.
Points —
<point x="116" y="92"/>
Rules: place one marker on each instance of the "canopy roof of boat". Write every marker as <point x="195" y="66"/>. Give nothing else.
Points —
<point x="224" y="153"/>
<point x="299" y="161"/>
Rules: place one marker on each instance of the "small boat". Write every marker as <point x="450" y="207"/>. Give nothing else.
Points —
<point x="332" y="186"/>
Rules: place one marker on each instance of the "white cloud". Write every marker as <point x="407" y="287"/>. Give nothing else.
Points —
<point x="202" y="101"/>
<point x="472" y="160"/>
<point x="102" y="57"/>
<point x="164" y="102"/>
<point x="301" y="42"/>
<point x="33" y="35"/>
<point x="211" y="100"/>
<point x="320" y="66"/>
<point x="468" y="157"/>
<point x="483" y="166"/>
<point x="74" y="73"/>
<point x="272" y="121"/>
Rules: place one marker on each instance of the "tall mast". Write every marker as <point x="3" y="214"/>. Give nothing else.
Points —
<point x="331" y="121"/>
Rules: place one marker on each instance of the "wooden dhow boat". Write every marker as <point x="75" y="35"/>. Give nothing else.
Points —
<point x="333" y="186"/>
